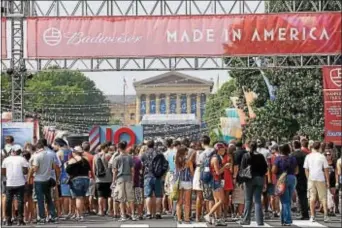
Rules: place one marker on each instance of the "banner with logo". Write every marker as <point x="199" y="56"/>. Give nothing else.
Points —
<point x="332" y="81"/>
<point x="21" y="132"/>
<point x="200" y="35"/>
<point x="3" y="38"/>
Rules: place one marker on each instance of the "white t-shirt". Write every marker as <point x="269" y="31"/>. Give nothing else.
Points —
<point x="14" y="170"/>
<point x="316" y="162"/>
<point x="266" y="153"/>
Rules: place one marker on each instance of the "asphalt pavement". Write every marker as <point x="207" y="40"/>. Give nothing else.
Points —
<point x="168" y="221"/>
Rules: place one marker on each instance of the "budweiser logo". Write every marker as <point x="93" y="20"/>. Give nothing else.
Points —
<point x="54" y="37"/>
<point x="336" y="76"/>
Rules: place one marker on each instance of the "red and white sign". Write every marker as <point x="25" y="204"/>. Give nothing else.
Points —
<point x="3" y="38"/>
<point x="332" y="90"/>
<point x="203" y="35"/>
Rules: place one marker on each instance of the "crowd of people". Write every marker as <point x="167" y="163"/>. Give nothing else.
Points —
<point x="192" y="181"/>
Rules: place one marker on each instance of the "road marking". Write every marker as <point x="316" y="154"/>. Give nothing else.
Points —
<point x="306" y="223"/>
<point x="134" y="225"/>
<point x="194" y="224"/>
<point x="254" y="224"/>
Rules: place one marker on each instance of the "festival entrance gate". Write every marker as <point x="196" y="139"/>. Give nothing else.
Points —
<point x="161" y="35"/>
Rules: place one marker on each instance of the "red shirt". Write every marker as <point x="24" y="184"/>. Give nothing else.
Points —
<point x="306" y="150"/>
<point x="90" y="158"/>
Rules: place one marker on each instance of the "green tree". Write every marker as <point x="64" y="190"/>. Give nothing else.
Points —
<point x="5" y="92"/>
<point x="63" y="98"/>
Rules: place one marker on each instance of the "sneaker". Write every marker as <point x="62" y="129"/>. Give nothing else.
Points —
<point x="134" y="218"/>
<point x="220" y="222"/>
<point x="207" y="218"/>
<point x="158" y="216"/>
<point x="8" y="223"/>
<point x="312" y="219"/>
<point x="148" y="216"/>
<point x="237" y="218"/>
<point x="21" y="222"/>
<point x="275" y="215"/>
<point x="54" y="220"/>
<point x="141" y="217"/>
<point x="41" y="222"/>
<point x="326" y="219"/>
<point x="122" y="219"/>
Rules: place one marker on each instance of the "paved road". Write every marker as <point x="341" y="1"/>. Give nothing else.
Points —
<point x="167" y="221"/>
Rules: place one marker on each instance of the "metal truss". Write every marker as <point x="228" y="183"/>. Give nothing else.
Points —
<point x="174" y="7"/>
<point x="17" y="62"/>
<point x="179" y="63"/>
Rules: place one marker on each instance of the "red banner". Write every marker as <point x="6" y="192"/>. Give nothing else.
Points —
<point x="233" y="35"/>
<point x="3" y="38"/>
<point x="332" y="81"/>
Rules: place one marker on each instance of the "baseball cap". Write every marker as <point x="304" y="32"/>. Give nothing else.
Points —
<point x="16" y="148"/>
<point x="78" y="149"/>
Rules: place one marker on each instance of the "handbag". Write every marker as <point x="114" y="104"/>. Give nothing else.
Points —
<point x="281" y="184"/>
<point x="175" y="190"/>
<point x="246" y="173"/>
<point x="52" y="183"/>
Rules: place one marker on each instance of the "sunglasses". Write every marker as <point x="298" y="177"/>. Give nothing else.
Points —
<point x="327" y="154"/>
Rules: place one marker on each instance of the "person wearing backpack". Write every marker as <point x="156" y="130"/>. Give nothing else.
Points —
<point x="255" y="165"/>
<point x="285" y="165"/>
<point x="155" y="167"/>
<point x="212" y="173"/>
<point x="103" y="177"/>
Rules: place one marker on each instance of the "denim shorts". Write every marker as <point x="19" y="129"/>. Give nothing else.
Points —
<point x="79" y="186"/>
<point x="153" y="185"/>
<point x="216" y="185"/>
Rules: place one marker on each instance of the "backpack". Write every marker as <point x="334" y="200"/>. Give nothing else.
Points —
<point x="159" y="165"/>
<point x="245" y="171"/>
<point x="100" y="170"/>
<point x="206" y="176"/>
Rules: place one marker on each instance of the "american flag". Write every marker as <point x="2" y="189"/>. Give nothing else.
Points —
<point x="49" y="134"/>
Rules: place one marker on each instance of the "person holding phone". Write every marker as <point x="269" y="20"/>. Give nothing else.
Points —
<point x="217" y="169"/>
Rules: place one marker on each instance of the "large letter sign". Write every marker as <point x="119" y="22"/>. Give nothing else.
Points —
<point x="188" y="36"/>
<point x="332" y="80"/>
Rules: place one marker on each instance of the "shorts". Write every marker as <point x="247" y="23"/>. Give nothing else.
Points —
<point x="207" y="193"/>
<point x="91" y="189"/>
<point x="114" y="194"/>
<point x="125" y="191"/>
<point x="152" y="186"/>
<point x="270" y="189"/>
<point x="317" y="188"/>
<point x="238" y="196"/>
<point x="185" y="185"/>
<point x="103" y="190"/>
<point x="216" y="185"/>
<point x="65" y="190"/>
<point x="28" y="190"/>
<point x="138" y="195"/>
<point x="3" y="187"/>
<point x="168" y="187"/>
<point x="79" y="186"/>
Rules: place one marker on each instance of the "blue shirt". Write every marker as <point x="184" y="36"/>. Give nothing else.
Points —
<point x="170" y="155"/>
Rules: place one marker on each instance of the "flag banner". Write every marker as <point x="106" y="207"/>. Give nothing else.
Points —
<point x="184" y="104"/>
<point x="332" y="80"/>
<point x="3" y="38"/>
<point x="250" y="96"/>
<point x="153" y="106"/>
<point x="162" y="100"/>
<point x="193" y="104"/>
<point x="241" y="113"/>
<point x="188" y="36"/>
<point x="173" y="104"/>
